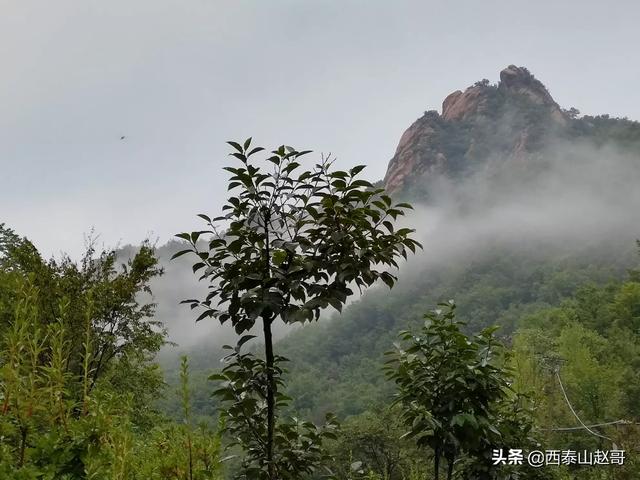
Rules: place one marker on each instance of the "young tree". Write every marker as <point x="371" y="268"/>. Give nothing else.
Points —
<point x="450" y="387"/>
<point x="296" y="242"/>
<point x="101" y="298"/>
<point x="369" y="445"/>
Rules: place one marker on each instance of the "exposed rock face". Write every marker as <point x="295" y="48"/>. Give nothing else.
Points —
<point x="460" y="105"/>
<point x="509" y="116"/>
<point x="414" y="147"/>
<point x="519" y="80"/>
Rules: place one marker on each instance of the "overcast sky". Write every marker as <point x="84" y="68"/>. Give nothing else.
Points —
<point x="179" y="78"/>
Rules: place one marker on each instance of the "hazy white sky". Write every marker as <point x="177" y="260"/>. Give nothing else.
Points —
<point x="180" y="77"/>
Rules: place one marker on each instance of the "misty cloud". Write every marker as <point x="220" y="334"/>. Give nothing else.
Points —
<point x="574" y="197"/>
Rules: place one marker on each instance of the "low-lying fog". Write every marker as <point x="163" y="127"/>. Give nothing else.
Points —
<point x="573" y="198"/>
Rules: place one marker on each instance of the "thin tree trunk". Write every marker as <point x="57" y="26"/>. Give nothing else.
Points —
<point x="268" y="351"/>
<point x="190" y="456"/>
<point x="436" y="464"/>
<point x="271" y="395"/>
<point x="23" y="445"/>
<point x="450" y="469"/>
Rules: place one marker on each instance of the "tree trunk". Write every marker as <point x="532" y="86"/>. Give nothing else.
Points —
<point x="267" y="320"/>
<point x="23" y="445"/>
<point x="450" y="469"/>
<point x="271" y="396"/>
<point x="189" y="446"/>
<point x="436" y="464"/>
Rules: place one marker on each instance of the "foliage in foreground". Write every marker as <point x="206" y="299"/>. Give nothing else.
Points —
<point x="455" y="395"/>
<point x="296" y="242"/>
<point x="298" y="445"/>
<point x="57" y="422"/>
<point x="76" y="380"/>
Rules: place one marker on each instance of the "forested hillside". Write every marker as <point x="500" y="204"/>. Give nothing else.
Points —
<point x="527" y="213"/>
<point x="510" y="226"/>
<point x="527" y="218"/>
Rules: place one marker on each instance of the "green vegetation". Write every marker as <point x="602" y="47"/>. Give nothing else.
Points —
<point x="583" y="335"/>
<point x="499" y="289"/>
<point x="77" y="378"/>
<point x="504" y="124"/>
<point x="451" y="389"/>
<point x="296" y="243"/>
<point x="590" y="347"/>
<point x="82" y="396"/>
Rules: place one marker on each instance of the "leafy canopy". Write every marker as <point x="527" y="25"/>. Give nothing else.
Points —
<point x="296" y="240"/>
<point x="449" y="386"/>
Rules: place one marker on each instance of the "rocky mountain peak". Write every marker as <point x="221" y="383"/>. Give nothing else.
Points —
<point x="519" y="80"/>
<point x="517" y="109"/>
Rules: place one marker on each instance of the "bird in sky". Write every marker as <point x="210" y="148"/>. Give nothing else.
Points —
<point x="122" y="137"/>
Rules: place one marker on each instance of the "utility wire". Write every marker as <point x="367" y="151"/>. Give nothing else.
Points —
<point x="574" y="412"/>
<point x="615" y="422"/>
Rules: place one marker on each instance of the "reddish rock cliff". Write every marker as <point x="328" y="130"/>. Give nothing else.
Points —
<point x="508" y="116"/>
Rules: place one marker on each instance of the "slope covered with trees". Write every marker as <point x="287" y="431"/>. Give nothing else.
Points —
<point x="505" y="274"/>
<point x="528" y="217"/>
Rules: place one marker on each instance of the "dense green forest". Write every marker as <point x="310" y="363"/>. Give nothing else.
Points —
<point x="64" y="418"/>
<point x="398" y="362"/>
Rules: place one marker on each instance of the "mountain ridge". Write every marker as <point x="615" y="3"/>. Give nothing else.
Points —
<point x="511" y="120"/>
<point x="556" y="211"/>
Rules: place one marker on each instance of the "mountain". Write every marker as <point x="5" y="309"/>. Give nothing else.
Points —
<point x="519" y="204"/>
<point x="513" y="120"/>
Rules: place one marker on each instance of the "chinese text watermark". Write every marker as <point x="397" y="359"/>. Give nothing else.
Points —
<point x="540" y="458"/>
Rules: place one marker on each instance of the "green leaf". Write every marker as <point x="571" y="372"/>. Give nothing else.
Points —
<point x="404" y="205"/>
<point x="244" y="339"/>
<point x="203" y="315"/>
<point x="237" y="146"/>
<point x="388" y="279"/>
<point x="255" y="150"/>
<point x="180" y="253"/>
<point x="356" y="170"/>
